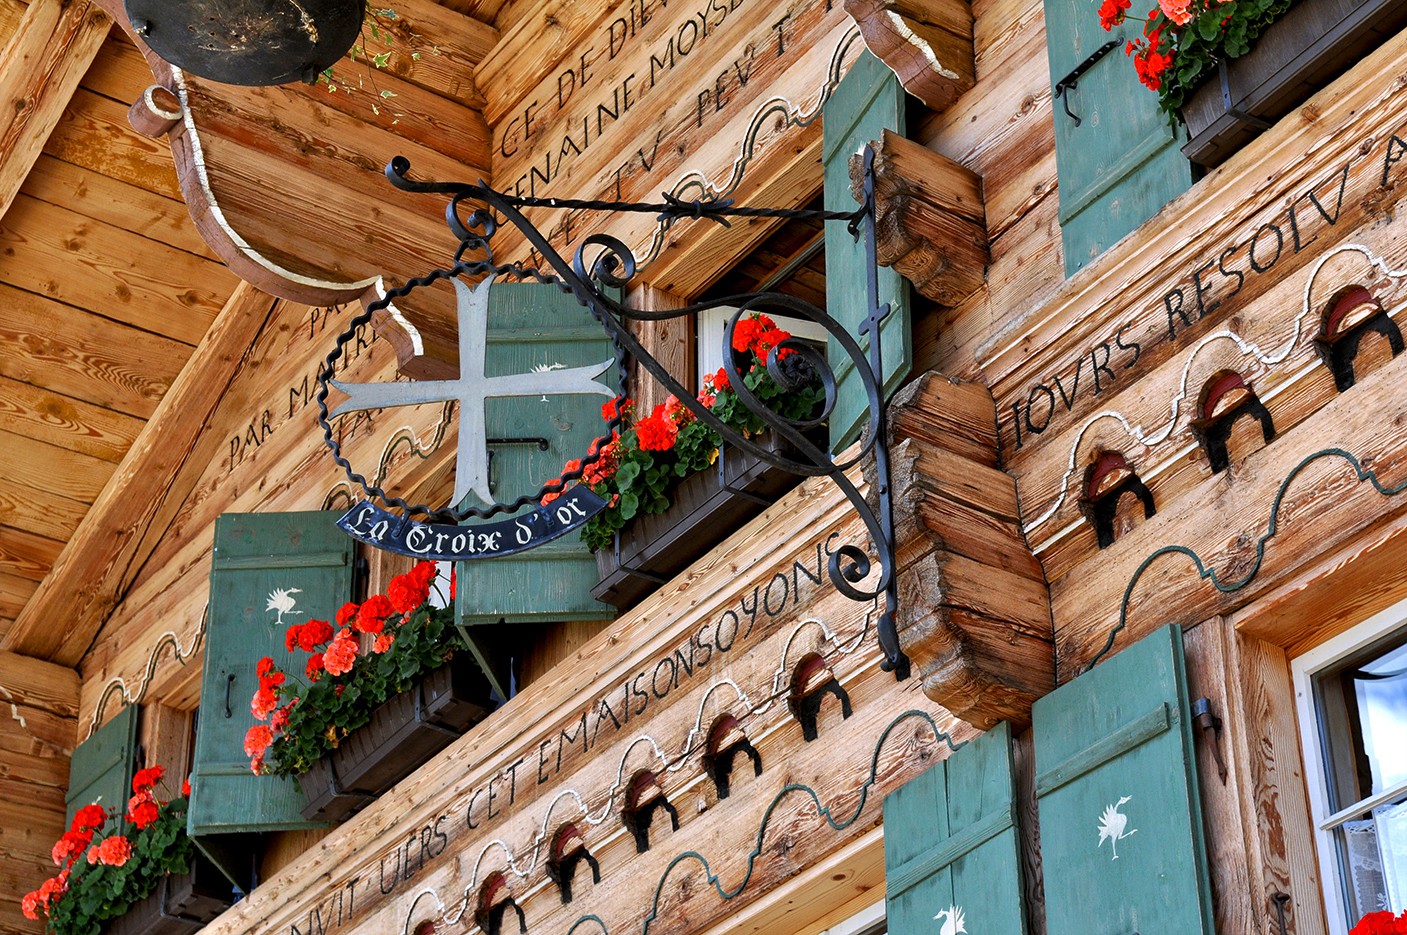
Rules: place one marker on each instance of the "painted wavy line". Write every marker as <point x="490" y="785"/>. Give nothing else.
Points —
<point x="667" y="764"/>
<point x="694" y="183"/>
<point x="118" y="683"/>
<point x="1207" y="573"/>
<point x="1249" y="348"/>
<point x="823" y="811"/>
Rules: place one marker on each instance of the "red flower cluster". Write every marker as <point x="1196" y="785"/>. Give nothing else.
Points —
<point x="114" y="850"/>
<point x="1380" y="923"/>
<point x="759" y="334"/>
<point x="333" y="651"/>
<point x="658" y="432"/>
<point x="1112" y="13"/>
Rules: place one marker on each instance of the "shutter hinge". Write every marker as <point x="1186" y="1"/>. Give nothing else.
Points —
<point x="1072" y="79"/>
<point x="1203" y="718"/>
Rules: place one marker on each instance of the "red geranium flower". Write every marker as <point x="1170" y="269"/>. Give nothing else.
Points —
<point x="372" y="617"/>
<point x="186" y="787"/>
<point x="264" y="666"/>
<point x="113" y="851"/>
<point x="146" y="779"/>
<point x="383" y="643"/>
<point x="257" y="740"/>
<point x="407" y="592"/>
<point x="1112" y="13"/>
<point x="69" y="845"/>
<point x="658" y="432"/>
<point x="89" y="818"/>
<point x="347" y="614"/>
<point x="341" y="653"/>
<point x="263" y="702"/>
<point x="315" y="667"/>
<point x="142" y="810"/>
<point x="314" y="634"/>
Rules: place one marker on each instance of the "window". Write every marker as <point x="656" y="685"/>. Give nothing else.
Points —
<point x="1352" y="695"/>
<point x="710" y="334"/>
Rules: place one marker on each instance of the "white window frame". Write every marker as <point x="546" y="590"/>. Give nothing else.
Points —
<point x="1304" y="668"/>
<point x="708" y="341"/>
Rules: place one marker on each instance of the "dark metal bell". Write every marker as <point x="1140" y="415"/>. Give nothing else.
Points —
<point x="249" y="42"/>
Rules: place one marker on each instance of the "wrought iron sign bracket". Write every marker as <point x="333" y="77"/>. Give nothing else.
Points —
<point x="601" y="265"/>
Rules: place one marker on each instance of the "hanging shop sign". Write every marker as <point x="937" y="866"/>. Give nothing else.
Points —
<point x="601" y="269"/>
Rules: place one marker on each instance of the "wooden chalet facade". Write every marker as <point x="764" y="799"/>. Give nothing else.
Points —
<point x="1149" y="472"/>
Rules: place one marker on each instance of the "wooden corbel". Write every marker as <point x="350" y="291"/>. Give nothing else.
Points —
<point x="930" y="220"/>
<point x="642" y="798"/>
<point x="811" y="681"/>
<point x="926" y="43"/>
<point x="494" y="902"/>
<point x="1225" y="400"/>
<point x="726" y="739"/>
<point x="1353" y="313"/>
<point x="1107" y="479"/>
<point x="974" y="608"/>
<point x="568" y="850"/>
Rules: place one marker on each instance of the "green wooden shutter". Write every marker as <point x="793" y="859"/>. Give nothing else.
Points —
<point x="1115" y="775"/>
<point x="1122" y="162"/>
<point x="951" y="846"/>
<point x="102" y="766"/>
<point x="867" y="101"/>
<point x="534" y="325"/>
<point x="256" y="554"/>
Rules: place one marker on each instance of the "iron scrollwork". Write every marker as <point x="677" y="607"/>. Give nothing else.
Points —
<point x="603" y="264"/>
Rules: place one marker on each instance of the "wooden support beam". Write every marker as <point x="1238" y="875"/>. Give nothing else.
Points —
<point x="670" y="340"/>
<point x="927" y="43"/>
<point x="930" y="220"/>
<point x="974" y="608"/>
<point x="99" y="562"/>
<point x="39" y="72"/>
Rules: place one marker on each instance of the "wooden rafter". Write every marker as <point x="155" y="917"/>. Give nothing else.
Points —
<point x="100" y="560"/>
<point x="39" y="72"/>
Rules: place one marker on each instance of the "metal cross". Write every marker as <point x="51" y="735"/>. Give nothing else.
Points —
<point x="472" y="389"/>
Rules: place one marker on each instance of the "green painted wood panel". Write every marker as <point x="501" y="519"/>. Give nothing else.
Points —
<point x="1122" y="162"/>
<point x="867" y="101"/>
<point x="256" y="555"/>
<point x="1122" y="844"/>
<point x="532" y="325"/>
<point x="952" y="859"/>
<point x="102" y="766"/>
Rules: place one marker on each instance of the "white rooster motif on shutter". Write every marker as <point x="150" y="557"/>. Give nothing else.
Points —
<point x="953" y="920"/>
<point x="282" y="601"/>
<point x="1112" y="824"/>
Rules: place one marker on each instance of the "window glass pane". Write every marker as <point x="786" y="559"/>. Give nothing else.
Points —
<point x="1363" y="723"/>
<point x="1380" y="687"/>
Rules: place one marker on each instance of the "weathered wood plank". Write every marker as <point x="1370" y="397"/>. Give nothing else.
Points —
<point x="40" y="510"/>
<point x="87" y="356"/>
<point x="26" y="554"/>
<point x="670" y="341"/>
<point x="111" y="201"/>
<point x="14" y="594"/>
<point x="94" y="133"/>
<point x="40" y="68"/>
<point x="432" y="46"/>
<point x="35" y="464"/>
<point x="128" y="277"/>
<point x="65" y="422"/>
<point x="96" y="566"/>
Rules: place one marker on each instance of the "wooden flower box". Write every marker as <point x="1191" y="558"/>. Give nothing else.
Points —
<point x="183" y="903"/>
<point x="403" y="734"/>
<point x="1297" y="55"/>
<point x="705" y="507"/>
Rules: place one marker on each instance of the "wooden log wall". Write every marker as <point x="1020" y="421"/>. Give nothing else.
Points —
<point x="723" y="638"/>
<point x="1119" y="359"/>
<point x="38" y="727"/>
